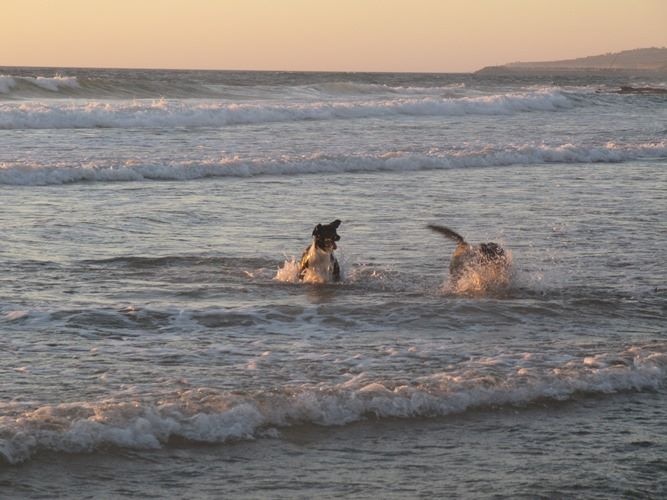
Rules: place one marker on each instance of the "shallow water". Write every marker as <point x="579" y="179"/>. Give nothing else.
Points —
<point x="148" y="333"/>
<point x="546" y="450"/>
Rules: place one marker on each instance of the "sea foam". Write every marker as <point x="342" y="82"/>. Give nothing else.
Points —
<point x="32" y="173"/>
<point x="214" y="416"/>
<point x="207" y="113"/>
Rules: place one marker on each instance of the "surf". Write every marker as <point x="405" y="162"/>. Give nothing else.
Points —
<point x="151" y="113"/>
<point x="39" y="172"/>
<point x="205" y="415"/>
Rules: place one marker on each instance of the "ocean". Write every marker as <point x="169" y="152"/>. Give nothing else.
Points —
<point x="155" y="341"/>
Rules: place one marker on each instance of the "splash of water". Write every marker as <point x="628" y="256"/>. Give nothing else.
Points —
<point x="291" y="269"/>
<point x="482" y="278"/>
<point x="289" y="273"/>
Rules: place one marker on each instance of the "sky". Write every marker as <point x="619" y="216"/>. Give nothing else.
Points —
<point x="321" y="35"/>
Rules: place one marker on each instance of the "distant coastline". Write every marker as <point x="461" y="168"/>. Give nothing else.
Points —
<point x="637" y="61"/>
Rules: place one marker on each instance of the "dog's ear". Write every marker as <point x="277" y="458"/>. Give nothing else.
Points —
<point x="335" y="223"/>
<point x="317" y="230"/>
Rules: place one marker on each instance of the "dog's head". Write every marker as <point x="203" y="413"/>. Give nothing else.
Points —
<point x="325" y="236"/>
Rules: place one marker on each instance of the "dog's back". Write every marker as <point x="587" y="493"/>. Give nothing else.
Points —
<point x="487" y="261"/>
<point x="464" y="252"/>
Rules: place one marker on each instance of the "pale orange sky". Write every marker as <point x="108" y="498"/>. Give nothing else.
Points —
<point x="336" y="35"/>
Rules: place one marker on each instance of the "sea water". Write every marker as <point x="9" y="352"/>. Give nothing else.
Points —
<point x="155" y="341"/>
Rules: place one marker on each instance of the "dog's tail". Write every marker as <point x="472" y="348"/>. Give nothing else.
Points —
<point x="447" y="233"/>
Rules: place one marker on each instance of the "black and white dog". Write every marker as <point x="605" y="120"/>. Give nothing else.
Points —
<point x="486" y="260"/>
<point x="318" y="263"/>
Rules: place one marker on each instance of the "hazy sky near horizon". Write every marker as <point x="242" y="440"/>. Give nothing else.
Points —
<point x="320" y="35"/>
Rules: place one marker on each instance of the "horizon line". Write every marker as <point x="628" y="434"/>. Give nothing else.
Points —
<point x="418" y="72"/>
<point x="157" y="68"/>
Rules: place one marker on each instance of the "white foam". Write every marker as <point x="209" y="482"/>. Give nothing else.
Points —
<point x="209" y="415"/>
<point x="52" y="84"/>
<point x="23" y="173"/>
<point x="203" y="113"/>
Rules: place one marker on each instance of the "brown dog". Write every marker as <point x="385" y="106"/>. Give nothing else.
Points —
<point x="472" y="257"/>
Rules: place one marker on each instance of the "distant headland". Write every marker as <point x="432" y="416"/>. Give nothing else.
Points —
<point x="638" y="61"/>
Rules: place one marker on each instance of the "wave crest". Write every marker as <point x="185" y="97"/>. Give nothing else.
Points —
<point x="213" y="416"/>
<point x="198" y="113"/>
<point x="52" y="84"/>
<point x="30" y="174"/>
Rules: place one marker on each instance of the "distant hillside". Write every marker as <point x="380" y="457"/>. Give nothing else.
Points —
<point x="629" y="61"/>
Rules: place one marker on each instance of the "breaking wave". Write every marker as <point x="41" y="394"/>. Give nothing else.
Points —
<point x="349" y="88"/>
<point x="27" y="173"/>
<point x="52" y="84"/>
<point x="210" y="113"/>
<point x="214" y="416"/>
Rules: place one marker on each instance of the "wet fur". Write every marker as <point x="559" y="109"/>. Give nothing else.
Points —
<point x="319" y="257"/>
<point x="467" y="256"/>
